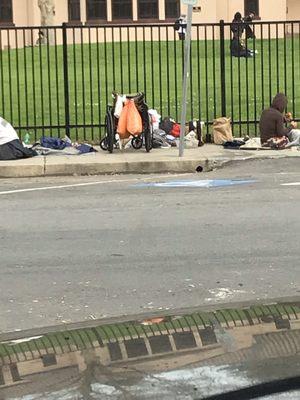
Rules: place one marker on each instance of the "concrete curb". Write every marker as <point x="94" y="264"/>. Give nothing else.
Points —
<point x="22" y="171"/>
<point x="62" y="327"/>
<point x="83" y="169"/>
<point x="129" y="164"/>
<point x="143" y="167"/>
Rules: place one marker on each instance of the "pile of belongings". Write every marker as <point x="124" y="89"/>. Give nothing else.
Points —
<point x="53" y="145"/>
<point x="222" y="135"/>
<point x="292" y="139"/>
<point x="166" y="133"/>
<point x="11" y="147"/>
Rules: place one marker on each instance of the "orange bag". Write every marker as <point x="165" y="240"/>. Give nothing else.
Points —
<point x="122" y="124"/>
<point x="134" y="120"/>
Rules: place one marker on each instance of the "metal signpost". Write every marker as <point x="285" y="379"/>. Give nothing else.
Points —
<point x="186" y="74"/>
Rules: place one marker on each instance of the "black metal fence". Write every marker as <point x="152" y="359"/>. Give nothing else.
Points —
<point x="60" y="83"/>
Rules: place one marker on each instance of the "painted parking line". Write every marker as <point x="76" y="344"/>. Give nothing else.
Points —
<point x="85" y="184"/>
<point x="207" y="183"/>
<point x="291" y="184"/>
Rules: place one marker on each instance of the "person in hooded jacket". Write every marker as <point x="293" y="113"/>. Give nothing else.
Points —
<point x="237" y="26"/>
<point x="272" y="121"/>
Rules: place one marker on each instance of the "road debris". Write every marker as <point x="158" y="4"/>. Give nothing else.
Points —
<point x="152" y="321"/>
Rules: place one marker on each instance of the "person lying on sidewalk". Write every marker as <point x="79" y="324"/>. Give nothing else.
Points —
<point x="273" y="132"/>
<point x="11" y="148"/>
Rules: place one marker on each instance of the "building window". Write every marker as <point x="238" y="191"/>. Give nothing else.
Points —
<point x="172" y="9"/>
<point x="148" y="9"/>
<point x="74" y="10"/>
<point x="96" y="9"/>
<point x="6" y="12"/>
<point x="122" y="9"/>
<point x="252" y="6"/>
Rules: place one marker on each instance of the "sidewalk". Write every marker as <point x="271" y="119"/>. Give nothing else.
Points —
<point x="208" y="157"/>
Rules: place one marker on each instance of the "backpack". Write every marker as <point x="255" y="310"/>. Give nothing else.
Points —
<point x="166" y="125"/>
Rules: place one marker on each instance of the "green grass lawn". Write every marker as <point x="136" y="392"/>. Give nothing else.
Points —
<point x="32" y="81"/>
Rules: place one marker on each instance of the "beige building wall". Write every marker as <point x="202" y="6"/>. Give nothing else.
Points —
<point x="273" y="10"/>
<point x="208" y="12"/>
<point x="27" y="13"/>
<point x="20" y="12"/>
<point x="293" y="10"/>
<point x="61" y="12"/>
<point x="293" y="13"/>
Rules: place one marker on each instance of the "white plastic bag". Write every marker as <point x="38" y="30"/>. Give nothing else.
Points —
<point x="191" y="140"/>
<point x="119" y="105"/>
<point x="155" y="119"/>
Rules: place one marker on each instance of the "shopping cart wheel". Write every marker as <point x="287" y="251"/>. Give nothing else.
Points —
<point x="137" y="142"/>
<point x="110" y="132"/>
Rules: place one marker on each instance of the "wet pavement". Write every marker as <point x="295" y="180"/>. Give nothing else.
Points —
<point x="242" y="350"/>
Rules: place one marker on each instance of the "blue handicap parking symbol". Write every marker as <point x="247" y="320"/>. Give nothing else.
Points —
<point x="207" y="183"/>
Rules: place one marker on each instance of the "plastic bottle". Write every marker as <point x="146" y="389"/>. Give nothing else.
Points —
<point x="27" y="138"/>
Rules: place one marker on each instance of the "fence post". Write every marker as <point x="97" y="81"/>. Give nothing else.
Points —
<point x="66" y="79"/>
<point x="223" y="71"/>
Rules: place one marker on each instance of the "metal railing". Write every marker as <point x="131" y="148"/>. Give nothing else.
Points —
<point x="61" y="83"/>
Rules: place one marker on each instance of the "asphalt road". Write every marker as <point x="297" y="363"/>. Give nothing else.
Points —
<point x="113" y="248"/>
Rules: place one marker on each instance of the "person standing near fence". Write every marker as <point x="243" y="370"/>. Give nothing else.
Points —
<point x="237" y="27"/>
<point x="237" y="46"/>
<point x="248" y="29"/>
<point x="180" y="26"/>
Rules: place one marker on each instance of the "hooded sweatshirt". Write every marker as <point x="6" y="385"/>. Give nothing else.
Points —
<point x="272" y="120"/>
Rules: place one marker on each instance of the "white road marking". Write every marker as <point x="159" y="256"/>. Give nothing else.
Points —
<point x="13" y="342"/>
<point x="75" y="185"/>
<point x="291" y="184"/>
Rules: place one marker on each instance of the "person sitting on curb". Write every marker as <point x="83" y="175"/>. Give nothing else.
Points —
<point x="11" y="148"/>
<point x="273" y="132"/>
